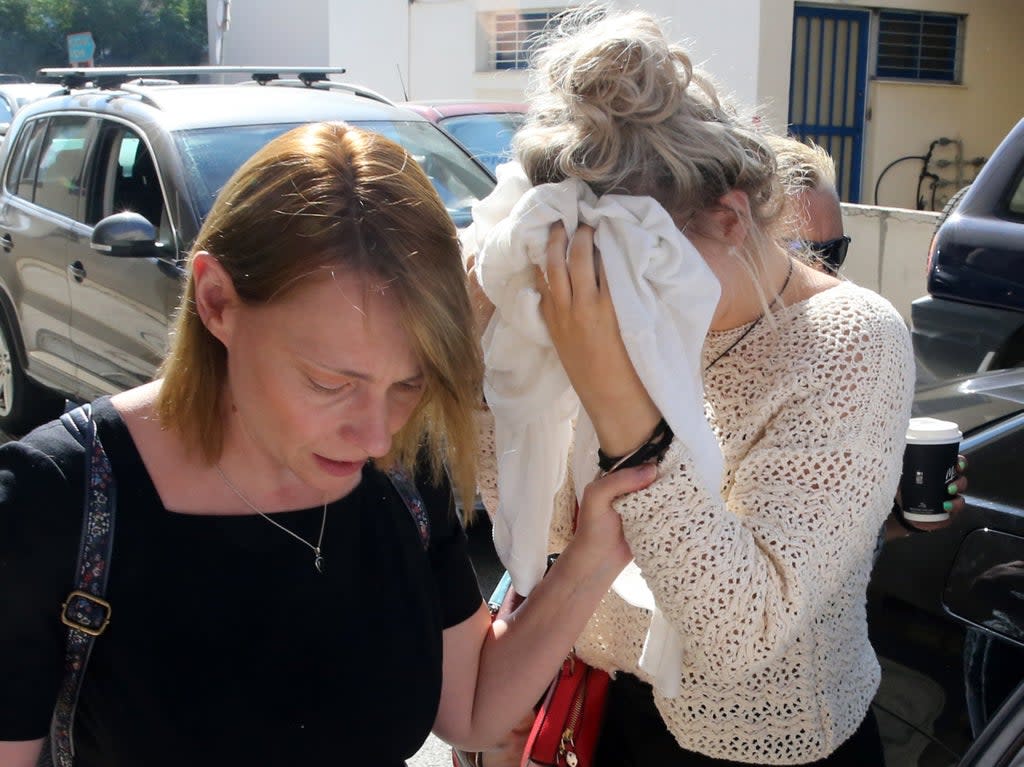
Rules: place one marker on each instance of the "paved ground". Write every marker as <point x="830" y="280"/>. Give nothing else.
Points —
<point x="435" y="753"/>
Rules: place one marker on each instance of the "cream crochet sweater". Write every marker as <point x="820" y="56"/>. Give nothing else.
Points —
<point x="768" y="588"/>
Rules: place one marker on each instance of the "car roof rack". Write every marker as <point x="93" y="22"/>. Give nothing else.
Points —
<point x="115" y="77"/>
<point x="330" y="85"/>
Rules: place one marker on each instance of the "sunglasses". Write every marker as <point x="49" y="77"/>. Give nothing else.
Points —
<point x="831" y="252"/>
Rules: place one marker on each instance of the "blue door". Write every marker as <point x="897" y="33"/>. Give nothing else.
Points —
<point x="827" y="87"/>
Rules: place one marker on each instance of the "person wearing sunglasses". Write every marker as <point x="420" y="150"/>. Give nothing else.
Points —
<point x="808" y="175"/>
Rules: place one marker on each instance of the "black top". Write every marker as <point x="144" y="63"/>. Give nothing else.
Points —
<point x="225" y="646"/>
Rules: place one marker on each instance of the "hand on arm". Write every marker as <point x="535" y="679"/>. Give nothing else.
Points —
<point x="577" y="308"/>
<point x="494" y="673"/>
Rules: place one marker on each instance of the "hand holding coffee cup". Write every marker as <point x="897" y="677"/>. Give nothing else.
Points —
<point x="929" y="467"/>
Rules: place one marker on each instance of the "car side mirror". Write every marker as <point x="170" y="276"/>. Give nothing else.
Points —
<point x="985" y="587"/>
<point x="124" y="235"/>
<point x="4" y="127"/>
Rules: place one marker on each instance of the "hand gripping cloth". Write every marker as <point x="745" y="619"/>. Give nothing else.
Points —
<point x="664" y="296"/>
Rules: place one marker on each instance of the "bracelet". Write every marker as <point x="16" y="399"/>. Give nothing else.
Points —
<point x="653" y="447"/>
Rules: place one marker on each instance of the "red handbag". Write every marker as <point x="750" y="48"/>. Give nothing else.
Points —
<point x="569" y="719"/>
<point x="568" y="724"/>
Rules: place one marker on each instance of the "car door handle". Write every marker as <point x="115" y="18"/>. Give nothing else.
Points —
<point x="6" y="242"/>
<point x="77" y="271"/>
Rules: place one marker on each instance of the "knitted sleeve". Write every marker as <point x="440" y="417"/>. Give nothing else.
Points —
<point x="804" y="497"/>
<point x="487" y="485"/>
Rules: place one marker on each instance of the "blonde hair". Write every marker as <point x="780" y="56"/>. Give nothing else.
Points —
<point x="802" y="166"/>
<point x="615" y="104"/>
<point x="332" y="196"/>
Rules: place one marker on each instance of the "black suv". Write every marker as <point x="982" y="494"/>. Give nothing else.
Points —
<point x="972" y="319"/>
<point x="103" y="190"/>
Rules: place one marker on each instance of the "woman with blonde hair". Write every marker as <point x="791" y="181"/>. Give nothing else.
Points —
<point x="647" y="224"/>
<point x="288" y="583"/>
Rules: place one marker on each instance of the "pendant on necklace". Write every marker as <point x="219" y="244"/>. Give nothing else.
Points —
<point x="318" y="563"/>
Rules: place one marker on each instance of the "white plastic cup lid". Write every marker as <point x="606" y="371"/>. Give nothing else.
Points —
<point x="932" y="431"/>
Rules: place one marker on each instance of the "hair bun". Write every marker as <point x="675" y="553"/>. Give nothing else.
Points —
<point x="634" y="77"/>
<point x="614" y="103"/>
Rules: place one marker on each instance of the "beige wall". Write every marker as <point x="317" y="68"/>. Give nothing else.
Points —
<point x="889" y="251"/>
<point x="906" y="117"/>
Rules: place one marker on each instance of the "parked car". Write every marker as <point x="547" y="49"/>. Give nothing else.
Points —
<point x="972" y="319"/>
<point x="86" y="289"/>
<point x="946" y="608"/>
<point x="16" y="95"/>
<point x="485" y="128"/>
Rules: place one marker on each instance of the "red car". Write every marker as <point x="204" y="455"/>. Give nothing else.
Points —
<point x="485" y="128"/>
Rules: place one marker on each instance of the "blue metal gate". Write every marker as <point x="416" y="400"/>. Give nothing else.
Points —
<point x="828" y="80"/>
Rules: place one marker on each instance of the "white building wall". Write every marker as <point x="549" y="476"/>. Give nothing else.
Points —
<point x="443" y="60"/>
<point x="271" y="32"/>
<point x="370" y="39"/>
<point x="449" y="47"/>
<point x="431" y="49"/>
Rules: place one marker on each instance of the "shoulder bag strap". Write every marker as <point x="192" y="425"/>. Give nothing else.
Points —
<point x="85" y="612"/>
<point x="410" y="496"/>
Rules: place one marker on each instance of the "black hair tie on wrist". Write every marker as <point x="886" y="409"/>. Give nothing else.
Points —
<point x="654" y="447"/>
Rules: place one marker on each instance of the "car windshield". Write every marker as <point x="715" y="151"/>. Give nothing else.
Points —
<point x="486" y="136"/>
<point x="211" y="155"/>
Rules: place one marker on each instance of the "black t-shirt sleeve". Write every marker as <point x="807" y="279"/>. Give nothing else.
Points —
<point x="449" y="556"/>
<point x="40" y="520"/>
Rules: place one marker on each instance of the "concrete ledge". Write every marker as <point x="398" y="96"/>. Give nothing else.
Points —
<point x="889" y="251"/>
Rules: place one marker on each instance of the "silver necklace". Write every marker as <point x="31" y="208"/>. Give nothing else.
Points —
<point x="318" y="559"/>
<point x="754" y="324"/>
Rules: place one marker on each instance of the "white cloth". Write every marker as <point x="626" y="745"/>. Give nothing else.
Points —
<point x="664" y="296"/>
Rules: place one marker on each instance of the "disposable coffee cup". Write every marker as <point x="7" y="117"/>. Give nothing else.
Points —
<point x="929" y="466"/>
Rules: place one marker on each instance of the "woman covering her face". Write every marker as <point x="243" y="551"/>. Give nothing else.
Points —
<point x="278" y="596"/>
<point x="773" y="397"/>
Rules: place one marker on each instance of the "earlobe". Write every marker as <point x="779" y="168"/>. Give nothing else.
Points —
<point x="214" y="294"/>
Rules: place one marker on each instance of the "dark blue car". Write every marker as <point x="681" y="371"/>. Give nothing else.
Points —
<point x="972" y="319"/>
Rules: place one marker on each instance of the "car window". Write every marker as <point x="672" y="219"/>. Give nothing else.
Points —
<point x="127" y="177"/>
<point x="6" y="113"/>
<point x="21" y="171"/>
<point x="488" y="137"/>
<point x="458" y="180"/>
<point x="1017" y="199"/>
<point x="211" y="155"/>
<point x="61" y="164"/>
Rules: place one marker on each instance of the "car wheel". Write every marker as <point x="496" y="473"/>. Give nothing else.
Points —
<point x="23" y="403"/>
<point x="950" y="206"/>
